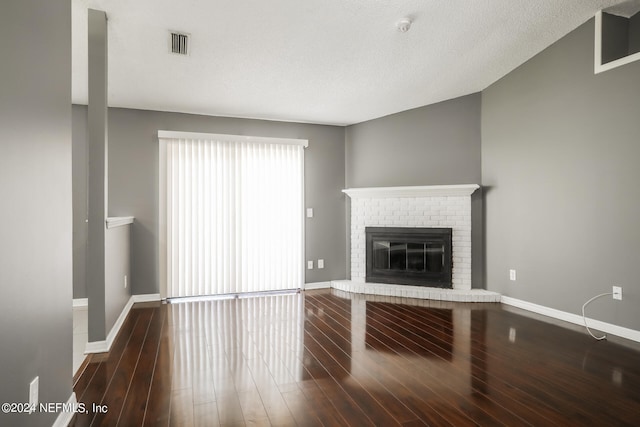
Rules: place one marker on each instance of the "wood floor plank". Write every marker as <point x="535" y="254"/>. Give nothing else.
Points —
<point x="83" y="381"/>
<point x="159" y="397"/>
<point x="382" y="375"/>
<point x="116" y="392"/>
<point x="106" y="366"/>
<point x="334" y="359"/>
<point x="493" y="406"/>
<point x="391" y="410"/>
<point x="454" y="414"/>
<point x="135" y="403"/>
<point x="206" y="415"/>
<point x="480" y="402"/>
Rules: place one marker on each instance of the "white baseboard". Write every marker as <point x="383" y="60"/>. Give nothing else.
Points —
<point x="317" y="285"/>
<point x="80" y="302"/>
<point x="146" y="298"/>
<point x="96" y="347"/>
<point x="65" y="416"/>
<point x="630" y="334"/>
<point x="104" y="346"/>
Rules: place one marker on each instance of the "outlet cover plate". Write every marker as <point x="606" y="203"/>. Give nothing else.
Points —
<point x="512" y="275"/>
<point x="33" y="392"/>
<point x="617" y="293"/>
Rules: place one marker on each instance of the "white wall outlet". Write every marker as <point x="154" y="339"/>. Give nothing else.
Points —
<point x="310" y="265"/>
<point x="125" y="281"/>
<point x="309" y="212"/>
<point x="512" y="275"/>
<point x="33" y="392"/>
<point x="617" y="292"/>
<point x="320" y="263"/>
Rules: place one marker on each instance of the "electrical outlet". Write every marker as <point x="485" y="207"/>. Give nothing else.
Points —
<point x="125" y="281"/>
<point x="310" y="265"/>
<point x="309" y="212"/>
<point x="320" y="263"/>
<point x="512" y="275"/>
<point x="617" y="292"/>
<point x="33" y="392"/>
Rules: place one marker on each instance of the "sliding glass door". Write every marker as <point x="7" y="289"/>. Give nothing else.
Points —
<point x="231" y="214"/>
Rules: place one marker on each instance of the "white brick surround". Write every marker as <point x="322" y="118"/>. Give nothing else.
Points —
<point x="425" y="206"/>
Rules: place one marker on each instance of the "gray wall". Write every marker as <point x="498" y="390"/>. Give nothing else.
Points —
<point x="80" y="214"/>
<point x="35" y="189"/>
<point x="117" y="265"/>
<point x="97" y="127"/>
<point x="432" y="145"/>
<point x="560" y="168"/>
<point x="438" y="144"/>
<point x="133" y="183"/>
<point x="101" y="256"/>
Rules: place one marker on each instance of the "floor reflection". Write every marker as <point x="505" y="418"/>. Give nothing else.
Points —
<point x="421" y="346"/>
<point x="433" y="337"/>
<point x="333" y="358"/>
<point x="224" y="337"/>
<point x="327" y="328"/>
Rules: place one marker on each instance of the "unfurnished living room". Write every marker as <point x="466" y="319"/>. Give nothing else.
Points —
<point x="320" y="213"/>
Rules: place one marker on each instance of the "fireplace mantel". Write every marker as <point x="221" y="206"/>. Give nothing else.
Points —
<point x="412" y="191"/>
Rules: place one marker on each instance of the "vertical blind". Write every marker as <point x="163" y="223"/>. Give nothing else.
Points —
<point x="231" y="214"/>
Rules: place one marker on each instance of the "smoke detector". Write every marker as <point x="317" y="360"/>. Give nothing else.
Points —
<point x="404" y="25"/>
<point x="179" y="43"/>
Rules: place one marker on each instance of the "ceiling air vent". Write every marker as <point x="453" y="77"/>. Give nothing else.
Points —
<point x="179" y="43"/>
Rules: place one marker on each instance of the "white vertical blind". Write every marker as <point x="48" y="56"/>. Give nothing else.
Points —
<point x="233" y="214"/>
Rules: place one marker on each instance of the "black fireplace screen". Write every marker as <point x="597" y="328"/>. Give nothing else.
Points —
<point x="411" y="256"/>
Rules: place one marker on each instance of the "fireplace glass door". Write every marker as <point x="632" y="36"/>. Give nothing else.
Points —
<point x="415" y="256"/>
<point x="403" y="256"/>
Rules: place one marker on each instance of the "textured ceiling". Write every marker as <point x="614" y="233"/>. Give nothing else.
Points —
<point x="318" y="61"/>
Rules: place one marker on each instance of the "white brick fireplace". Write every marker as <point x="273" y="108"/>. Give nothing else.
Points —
<point x="440" y="206"/>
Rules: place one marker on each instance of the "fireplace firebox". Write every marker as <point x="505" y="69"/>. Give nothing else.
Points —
<point x="409" y="256"/>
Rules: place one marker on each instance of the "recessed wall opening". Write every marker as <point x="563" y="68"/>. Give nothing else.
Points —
<point x="617" y="36"/>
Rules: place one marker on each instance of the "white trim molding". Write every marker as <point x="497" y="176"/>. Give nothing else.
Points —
<point x="167" y="134"/>
<point x="105" y="345"/>
<point x="66" y="415"/>
<point x="96" y="347"/>
<point x="412" y="191"/>
<point x="608" y="328"/>
<point x="80" y="302"/>
<point x="316" y="285"/>
<point x="145" y="298"/>
<point x="119" y="221"/>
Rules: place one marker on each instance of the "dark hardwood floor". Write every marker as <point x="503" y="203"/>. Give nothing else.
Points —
<point x="336" y="359"/>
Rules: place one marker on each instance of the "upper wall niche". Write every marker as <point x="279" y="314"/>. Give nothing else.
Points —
<point x="617" y="36"/>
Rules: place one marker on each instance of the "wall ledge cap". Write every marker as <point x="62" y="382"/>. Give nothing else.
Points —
<point x="411" y="191"/>
<point x="118" y="221"/>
